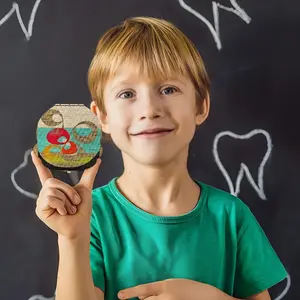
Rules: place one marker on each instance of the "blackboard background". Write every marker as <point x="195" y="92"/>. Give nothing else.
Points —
<point x="254" y="85"/>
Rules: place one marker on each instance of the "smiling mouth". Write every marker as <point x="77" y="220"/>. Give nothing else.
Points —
<point x="153" y="133"/>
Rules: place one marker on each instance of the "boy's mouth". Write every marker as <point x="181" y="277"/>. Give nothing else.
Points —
<point x="153" y="132"/>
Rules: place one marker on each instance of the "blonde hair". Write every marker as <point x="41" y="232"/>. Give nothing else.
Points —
<point x="157" y="47"/>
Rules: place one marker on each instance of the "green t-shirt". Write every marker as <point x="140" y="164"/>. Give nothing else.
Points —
<point x="219" y="242"/>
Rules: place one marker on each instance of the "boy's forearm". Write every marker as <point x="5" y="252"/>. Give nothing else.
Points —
<point x="74" y="280"/>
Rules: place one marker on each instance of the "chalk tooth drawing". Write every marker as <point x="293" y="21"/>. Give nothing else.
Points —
<point x="244" y="170"/>
<point x="16" y="9"/>
<point x="215" y="29"/>
<point x="73" y="176"/>
<point x="259" y="187"/>
<point x="16" y="170"/>
<point x="40" y="297"/>
<point x="285" y="291"/>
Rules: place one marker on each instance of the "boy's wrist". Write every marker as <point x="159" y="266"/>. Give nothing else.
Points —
<point x="74" y="241"/>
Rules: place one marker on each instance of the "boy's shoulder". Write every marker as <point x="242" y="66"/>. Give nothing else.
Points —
<point x="218" y="198"/>
<point x="103" y="190"/>
<point x="105" y="204"/>
<point x="103" y="194"/>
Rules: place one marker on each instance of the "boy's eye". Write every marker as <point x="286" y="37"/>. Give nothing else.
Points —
<point x="168" y="90"/>
<point x="126" y="95"/>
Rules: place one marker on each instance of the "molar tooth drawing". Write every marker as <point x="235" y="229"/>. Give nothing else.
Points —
<point x="40" y="297"/>
<point x="16" y="9"/>
<point x="258" y="187"/>
<point x="244" y="170"/>
<point x="73" y="175"/>
<point x="287" y="287"/>
<point x="16" y="170"/>
<point x="215" y="29"/>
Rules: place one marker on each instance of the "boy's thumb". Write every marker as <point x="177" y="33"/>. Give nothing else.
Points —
<point x="89" y="175"/>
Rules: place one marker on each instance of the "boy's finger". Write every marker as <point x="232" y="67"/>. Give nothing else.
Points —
<point x="43" y="172"/>
<point x="142" y="290"/>
<point x="54" y="203"/>
<point x="89" y="175"/>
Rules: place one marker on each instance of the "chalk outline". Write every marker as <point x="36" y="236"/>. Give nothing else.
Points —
<point x="40" y="297"/>
<point x="16" y="9"/>
<point x="287" y="287"/>
<point x="260" y="188"/>
<point x="16" y="170"/>
<point x="243" y="167"/>
<point x="73" y="175"/>
<point x="215" y="30"/>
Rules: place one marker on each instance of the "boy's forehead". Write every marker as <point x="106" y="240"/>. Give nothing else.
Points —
<point x="129" y="73"/>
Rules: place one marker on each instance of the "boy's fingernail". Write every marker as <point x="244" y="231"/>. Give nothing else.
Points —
<point x="73" y="209"/>
<point x="120" y="295"/>
<point x="77" y="199"/>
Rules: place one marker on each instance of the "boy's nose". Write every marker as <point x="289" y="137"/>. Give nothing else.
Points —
<point x="151" y="116"/>
<point x="151" y="108"/>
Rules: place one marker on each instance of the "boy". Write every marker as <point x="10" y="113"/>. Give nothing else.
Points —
<point x="153" y="232"/>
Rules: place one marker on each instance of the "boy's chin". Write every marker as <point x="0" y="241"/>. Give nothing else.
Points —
<point x="155" y="159"/>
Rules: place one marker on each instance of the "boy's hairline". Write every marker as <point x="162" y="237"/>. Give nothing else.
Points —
<point x="154" y="73"/>
<point x="167" y="77"/>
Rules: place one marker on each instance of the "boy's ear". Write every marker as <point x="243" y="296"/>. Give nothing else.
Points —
<point x="202" y="111"/>
<point x="101" y="116"/>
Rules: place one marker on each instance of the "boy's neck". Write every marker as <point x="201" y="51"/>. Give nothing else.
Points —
<point x="166" y="190"/>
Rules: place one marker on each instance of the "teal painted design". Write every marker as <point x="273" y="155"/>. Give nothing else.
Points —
<point x="62" y="142"/>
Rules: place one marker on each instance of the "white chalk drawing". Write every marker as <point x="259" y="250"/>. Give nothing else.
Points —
<point x="16" y="9"/>
<point x="215" y="29"/>
<point x="235" y="190"/>
<point x="259" y="187"/>
<point x="73" y="175"/>
<point x="16" y="170"/>
<point x="40" y="297"/>
<point x="285" y="291"/>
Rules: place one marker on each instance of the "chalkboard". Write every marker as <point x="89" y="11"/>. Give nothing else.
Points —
<point x="249" y="146"/>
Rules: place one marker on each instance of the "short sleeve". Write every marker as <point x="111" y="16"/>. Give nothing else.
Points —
<point x="258" y="267"/>
<point x="96" y="255"/>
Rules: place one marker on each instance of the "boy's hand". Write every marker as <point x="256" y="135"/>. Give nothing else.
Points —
<point x="174" y="289"/>
<point x="63" y="208"/>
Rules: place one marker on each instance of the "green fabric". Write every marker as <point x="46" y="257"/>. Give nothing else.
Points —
<point x="219" y="242"/>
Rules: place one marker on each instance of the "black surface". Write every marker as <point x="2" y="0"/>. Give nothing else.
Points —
<point x="80" y="168"/>
<point x="254" y="86"/>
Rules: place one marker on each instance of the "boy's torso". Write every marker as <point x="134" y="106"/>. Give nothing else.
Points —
<point x="140" y="248"/>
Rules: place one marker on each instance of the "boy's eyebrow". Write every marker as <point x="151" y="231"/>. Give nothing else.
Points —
<point x="177" y="79"/>
<point x="117" y="84"/>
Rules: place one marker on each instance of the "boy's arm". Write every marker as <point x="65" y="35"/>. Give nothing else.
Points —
<point x="258" y="267"/>
<point x="100" y="294"/>
<point x="74" y="280"/>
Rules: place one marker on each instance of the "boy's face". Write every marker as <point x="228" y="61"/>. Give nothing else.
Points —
<point x="151" y="122"/>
